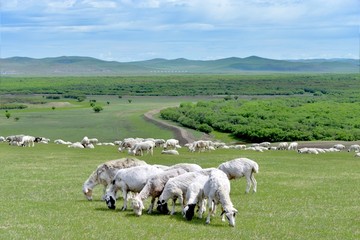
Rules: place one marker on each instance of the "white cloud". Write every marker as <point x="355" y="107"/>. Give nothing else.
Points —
<point x="100" y="4"/>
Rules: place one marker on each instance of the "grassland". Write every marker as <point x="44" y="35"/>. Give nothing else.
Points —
<point x="299" y="196"/>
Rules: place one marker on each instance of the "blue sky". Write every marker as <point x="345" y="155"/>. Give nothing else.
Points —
<point x="131" y="30"/>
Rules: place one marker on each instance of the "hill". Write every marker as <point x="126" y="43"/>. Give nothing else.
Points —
<point x="87" y="66"/>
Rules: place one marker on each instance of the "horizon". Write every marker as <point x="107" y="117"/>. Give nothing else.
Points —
<point x="128" y="30"/>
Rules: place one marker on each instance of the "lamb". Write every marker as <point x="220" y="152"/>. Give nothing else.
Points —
<point x="240" y="167"/>
<point x="217" y="190"/>
<point x="153" y="188"/>
<point x="195" y="196"/>
<point x="105" y="173"/>
<point x="129" y="180"/>
<point x="176" y="188"/>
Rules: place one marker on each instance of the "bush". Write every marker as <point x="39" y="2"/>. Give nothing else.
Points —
<point x="97" y="109"/>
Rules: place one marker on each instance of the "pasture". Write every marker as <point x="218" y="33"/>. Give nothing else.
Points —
<point x="299" y="196"/>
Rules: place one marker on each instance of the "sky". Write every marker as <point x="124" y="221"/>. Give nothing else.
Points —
<point x="134" y="30"/>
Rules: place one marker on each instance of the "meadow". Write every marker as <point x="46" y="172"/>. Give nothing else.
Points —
<point x="299" y="196"/>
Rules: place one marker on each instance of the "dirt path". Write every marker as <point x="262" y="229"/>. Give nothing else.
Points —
<point x="180" y="133"/>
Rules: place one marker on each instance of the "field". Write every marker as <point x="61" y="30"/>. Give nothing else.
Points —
<point x="299" y="196"/>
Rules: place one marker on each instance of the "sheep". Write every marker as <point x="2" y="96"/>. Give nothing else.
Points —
<point x="265" y="144"/>
<point x="85" y="141"/>
<point x="139" y="148"/>
<point x="105" y="173"/>
<point x="60" y="141"/>
<point x="76" y="145"/>
<point x="282" y="146"/>
<point x="354" y="147"/>
<point x="153" y="188"/>
<point x="339" y="146"/>
<point x="2" y="139"/>
<point x="170" y="152"/>
<point x="27" y="141"/>
<point x="240" y="167"/>
<point x="195" y="196"/>
<point x="171" y="143"/>
<point x="357" y="154"/>
<point x="15" y="139"/>
<point x="217" y="190"/>
<point x="176" y="188"/>
<point x="200" y="146"/>
<point x="308" y="150"/>
<point x="129" y="180"/>
<point x="293" y="146"/>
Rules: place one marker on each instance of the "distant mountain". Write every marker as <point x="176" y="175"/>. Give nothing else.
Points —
<point x="87" y="66"/>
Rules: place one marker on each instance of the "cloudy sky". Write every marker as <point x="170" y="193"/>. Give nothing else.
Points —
<point x="131" y="30"/>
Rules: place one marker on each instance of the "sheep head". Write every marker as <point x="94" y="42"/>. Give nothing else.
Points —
<point x="230" y="215"/>
<point x="162" y="207"/>
<point x="110" y="202"/>
<point x="189" y="211"/>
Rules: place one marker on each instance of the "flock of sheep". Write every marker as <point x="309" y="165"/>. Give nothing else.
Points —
<point x="188" y="183"/>
<point x="141" y="146"/>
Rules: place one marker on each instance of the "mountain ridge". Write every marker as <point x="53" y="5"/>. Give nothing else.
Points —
<point x="89" y="66"/>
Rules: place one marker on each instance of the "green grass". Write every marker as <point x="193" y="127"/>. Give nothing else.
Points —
<point x="299" y="197"/>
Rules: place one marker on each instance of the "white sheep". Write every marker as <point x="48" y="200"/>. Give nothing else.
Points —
<point x="354" y="147"/>
<point x="170" y="152"/>
<point x="339" y="146"/>
<point x="105" y="173"/>
<point x="283" y="146"/>
<point x="176" y="188"/>
<point x="217" y="190"/>
<point x="27" y="141"/>
<point x="293" y="146"/>
<point x="357" y="154"/>
<point x="240" y="167"/>
<point x="141" y="147"/>
<point x="153" y="188"/>
<point x="195" y="196"/>
<point x="129" y="180"/>
<point x="171" y="144"/>
<point x="76" y="145"/>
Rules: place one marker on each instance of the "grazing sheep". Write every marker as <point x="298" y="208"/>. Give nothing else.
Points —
<point x="60" y="141"/>
<point x="139" y="148"/>
<point x="153" y="188"/>
<point x="105" y="173"/>
<point x="265" y="144"/>
<point x="129" y="180"/>
<point x="357" y="154"/>
<point x="14" y="140"/>
<point x="2" y="139"/>
<point x="282" y="146"/>
<point x="171" y="144"/>
<point x="240" y="167"/>
<point x="217" y="190"/>
<point x="27" y="141"/>
<point x="293" y="146"/>
<point x="354" y="147"/>
<point x="176" y="188"/>
<point x="339" y="146"/>
<point x="195" y="196"/>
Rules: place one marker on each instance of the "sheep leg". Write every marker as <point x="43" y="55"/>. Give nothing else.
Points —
<point x="211" y="208"/>
<point x="248" y="183"/>
<point x="151" y="207"/>
<point x="125" y="200"/>
<point x="173" y="206"/>
<point x="254" y="183"/>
